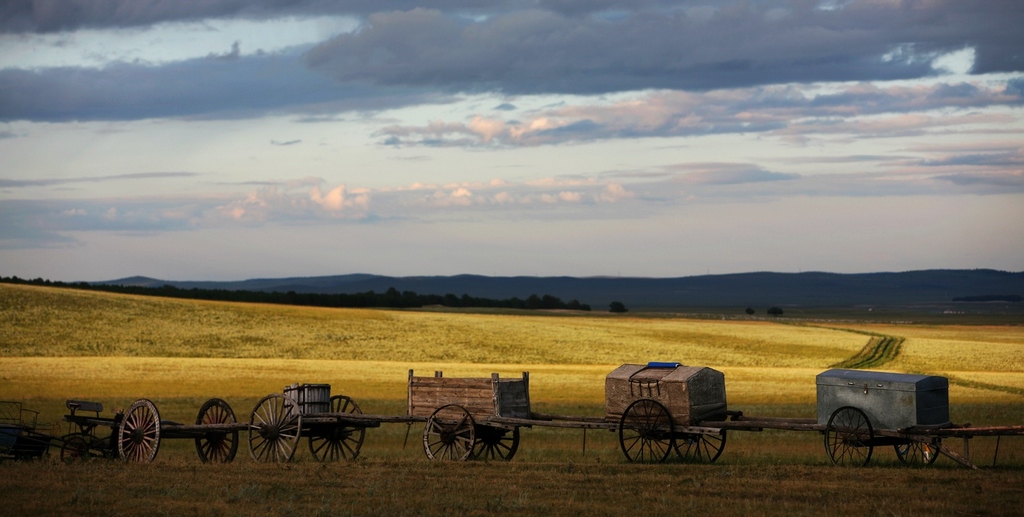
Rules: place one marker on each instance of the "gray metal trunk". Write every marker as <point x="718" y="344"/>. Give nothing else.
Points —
<point x="890" y="400"/>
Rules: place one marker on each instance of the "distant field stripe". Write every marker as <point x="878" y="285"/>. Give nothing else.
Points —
<point x="985" y="385"/>
<point x="878" y="351"/>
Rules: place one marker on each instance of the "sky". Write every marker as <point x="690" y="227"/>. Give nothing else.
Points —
<point x="233" y="139"/>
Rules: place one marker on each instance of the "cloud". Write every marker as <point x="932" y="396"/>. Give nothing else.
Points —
<point x="285" y="143"/>
<point x="336" y="201"/>
<point x="1005" y="182"/>
<point x="785" y="110"/>
<point x="727" y="45"/>
<point x="46" y="182"/>
<point x="232" y="55"/>
<point x="1009" y="158"/>
<point x="728" y="174"/>
<point x="246" y="87"/>
<point x="309" y="201"/>
<point x="430" y="55"/>
<point x="69" y="15"/>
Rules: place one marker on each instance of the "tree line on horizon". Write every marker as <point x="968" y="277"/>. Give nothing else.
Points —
<point x="392" y="298"/>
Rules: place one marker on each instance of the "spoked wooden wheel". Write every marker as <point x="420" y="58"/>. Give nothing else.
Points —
<point x="75" y="448"/>
<point x="645" y="432"/>
<point x="274" y="429"/>
<point x="339" y="442"/>
<point x="138" y="436"/>
<point x="918" y="453"/>
<point x="848" y="437"/>
<point x="495" y="443"/>
<point x="449" y="434"/>
<point x="217" y="445"/>
<point x="700" y="448"/>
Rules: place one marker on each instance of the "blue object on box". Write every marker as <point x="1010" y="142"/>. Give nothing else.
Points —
<point x="660" y="364"/>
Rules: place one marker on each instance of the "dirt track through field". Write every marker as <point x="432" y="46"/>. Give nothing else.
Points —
<point x="878" y="351"/>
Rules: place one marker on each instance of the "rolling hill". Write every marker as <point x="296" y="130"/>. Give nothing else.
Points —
<point x="811" y="289"/>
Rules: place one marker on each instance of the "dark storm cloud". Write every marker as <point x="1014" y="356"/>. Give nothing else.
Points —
<point x="66" y="15"/>
<point x="410" y="55"/>
<point x="242" y="87"/>
<point x="740" y="44"/>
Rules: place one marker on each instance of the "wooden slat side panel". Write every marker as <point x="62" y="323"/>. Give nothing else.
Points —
<point x="426" y="394"/>
<point x="513" y="399"/>
<point x="450" y="382"/>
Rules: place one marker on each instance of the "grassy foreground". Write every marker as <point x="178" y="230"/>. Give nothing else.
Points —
<point x="57" y="344"/>
<point x="422" y="488"/>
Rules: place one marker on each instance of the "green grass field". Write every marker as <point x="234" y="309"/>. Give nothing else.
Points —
<point x="60" y="344"/>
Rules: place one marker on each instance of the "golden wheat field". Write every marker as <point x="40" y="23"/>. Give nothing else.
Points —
<point x="60" y="344"/>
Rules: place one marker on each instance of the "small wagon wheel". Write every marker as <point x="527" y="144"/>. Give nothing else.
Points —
<point x="645" y="431"/>
<point x="918" y="453"/>
<point x="75" y="447"/>
<point x="342" y="442"/>
<point x="700" y="448"/>
<point x="274" y="429"/>
<point x="450" y="434"/>
<point x="138" y="436"/>
<point x="848" y="437"/>
<point x="495" y="443"/>
<point x="217" y="446"/>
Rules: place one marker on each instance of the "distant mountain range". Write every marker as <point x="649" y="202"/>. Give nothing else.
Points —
<point x="813" y="289"/>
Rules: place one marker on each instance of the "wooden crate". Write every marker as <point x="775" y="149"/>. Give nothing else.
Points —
<point x="689" y="393"/>
<point x="482" y="397"/>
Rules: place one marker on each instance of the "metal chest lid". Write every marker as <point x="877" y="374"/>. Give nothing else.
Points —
<point x="895" y="381"/>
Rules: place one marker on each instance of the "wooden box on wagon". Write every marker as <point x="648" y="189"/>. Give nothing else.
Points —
<point x="689" y="393"/>
<point x="482" y="397"/>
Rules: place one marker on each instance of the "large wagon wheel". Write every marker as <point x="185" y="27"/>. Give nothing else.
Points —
<point x="217" y="446"/>
<point x="449" y="434"/>
<point x="700" y="448"/>
<point x="495" y="443"/>
<point x="918" y="453"/>
<point x="75" y="447"/>
<point x="342" y="441"/>
<point x="274" y="429"/>
<point x="848" y="437"/>
<point x="138" y="436"/>
<point x="645" y="431"/>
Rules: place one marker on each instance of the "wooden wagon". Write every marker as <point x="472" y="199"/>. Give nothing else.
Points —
<point x="469" y="417"/>
<point x="20" y="436"/>
<point x="334" y="426"/>
<point x="665" y="407"/>
<point x="653" y="407"/>
<point x="135" y="434"/>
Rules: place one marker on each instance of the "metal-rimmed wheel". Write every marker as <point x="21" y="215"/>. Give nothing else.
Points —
<point x="848" y="437"/>
<point x="918" y="453"/>
<point x="450" y="434"/>
<point x="700" y="448"/>
<point x="645" y="432"/>
<point x="217" y="445"/>
<point x="495" y="443"/>
<point x="75" y="447"/>
<point x="274" y="429"/>
<point x="339" y="442"/>
<point x="138" y="436"/>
